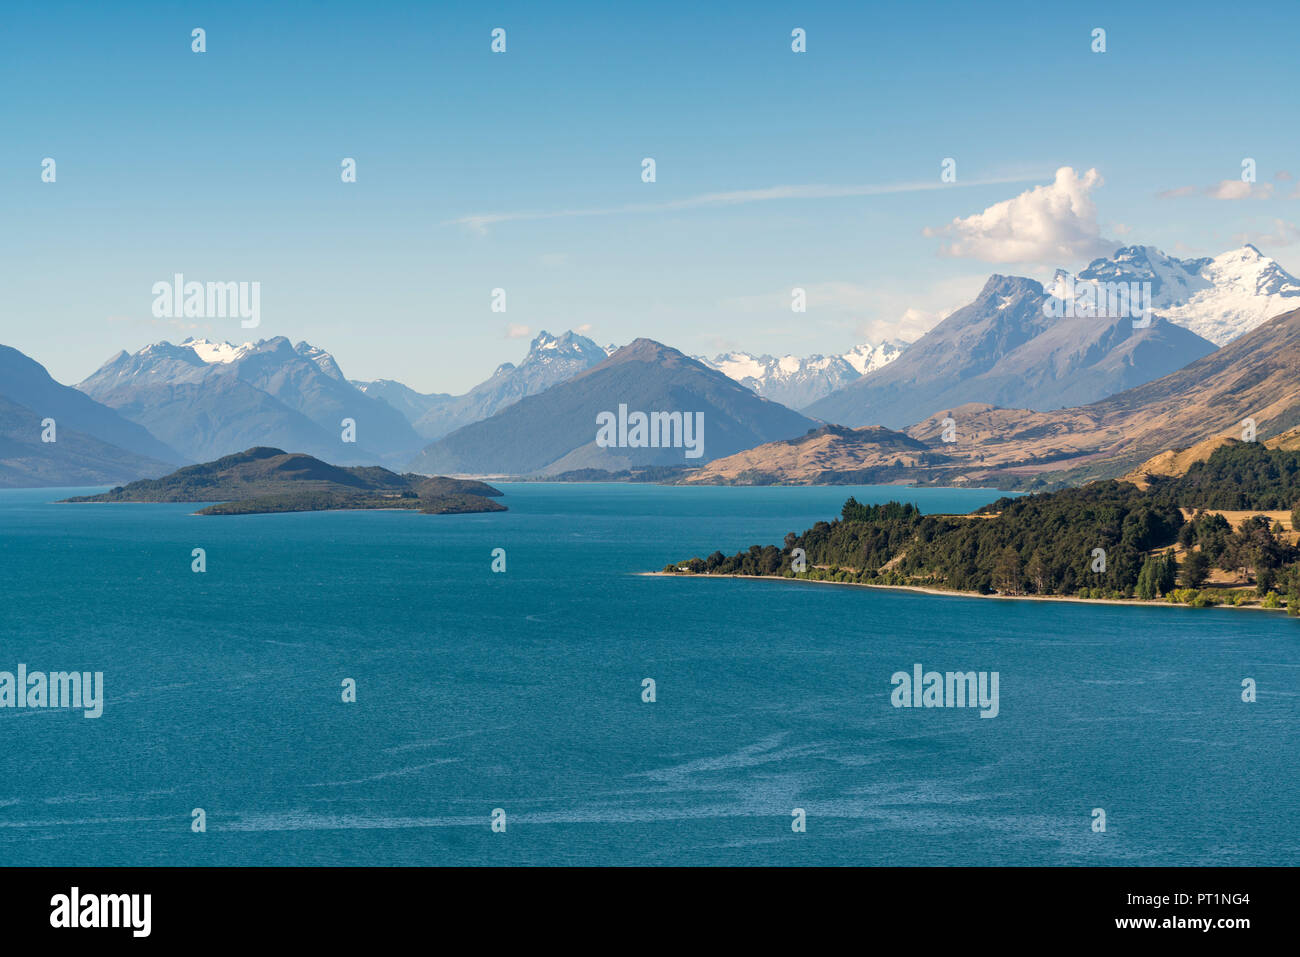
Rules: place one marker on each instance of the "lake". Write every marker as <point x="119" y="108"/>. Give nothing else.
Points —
<point x="522" y="691"/>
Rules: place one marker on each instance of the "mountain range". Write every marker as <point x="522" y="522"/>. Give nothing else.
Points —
<point x="1007" y="348"/>
<point x="1003" y="349"/>
<point x="1028" y="386"/>
<point x="556" y="431"/>
<point x="799" y="381"/>
<point x="1252" y="382"/>
<point x="550" y="361"/>
<point x="1217" y="298"/>
<point x="207" y="399"/>
<point x="1255" y="376"/>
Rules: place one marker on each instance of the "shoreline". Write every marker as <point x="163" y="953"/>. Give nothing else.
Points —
<point x="953" y="593"/>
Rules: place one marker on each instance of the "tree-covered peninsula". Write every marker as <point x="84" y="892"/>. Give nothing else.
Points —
<point x="1201" y="538"/>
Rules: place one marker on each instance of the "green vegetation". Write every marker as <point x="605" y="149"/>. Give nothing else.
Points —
<point x="1245" y="475"/>
<point x="1053" y="543"/>
<point x="268" y="480"/>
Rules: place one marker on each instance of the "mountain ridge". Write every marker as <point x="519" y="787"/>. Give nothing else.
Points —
<point x="556" y="430"/>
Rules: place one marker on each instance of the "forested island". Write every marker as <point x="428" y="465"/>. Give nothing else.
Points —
<point x="1177" y="540"/>
<point x="264" y="480"/>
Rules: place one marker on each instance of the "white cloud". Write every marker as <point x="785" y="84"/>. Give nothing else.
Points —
<point x="1237" y="189"/>
<point x="1046" y="224"/>
<point x="514" y="331"/>
<point x="911" y="315"/>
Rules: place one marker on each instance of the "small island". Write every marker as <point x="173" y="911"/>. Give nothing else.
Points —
<point x="265" y="480"/>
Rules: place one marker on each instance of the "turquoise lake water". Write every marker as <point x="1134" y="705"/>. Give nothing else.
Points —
<point x="522" y="691"/>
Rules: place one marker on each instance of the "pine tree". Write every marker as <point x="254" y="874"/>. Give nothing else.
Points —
<point x="1168" y="573"/>
<point x="1146" y="585"/>
<point x="1196" y="566"/>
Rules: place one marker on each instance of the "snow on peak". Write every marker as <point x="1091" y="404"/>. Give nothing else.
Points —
<point x="568" y="346"/>
<point x="798" y="381"/>
<point x="217" y="352"/>
<point x="1217" y="298"/>
<point x="868" y="358"/>
<point x="323" y="360"/>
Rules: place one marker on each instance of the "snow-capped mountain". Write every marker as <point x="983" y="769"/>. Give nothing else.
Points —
<point x="550" y="361"/>
<point x="1217" y="298"/>
<point x="797" y="382"/>
<point x="1006" y="349"/>
<point x="207" y="399"/>
<point x="868" y="358"/>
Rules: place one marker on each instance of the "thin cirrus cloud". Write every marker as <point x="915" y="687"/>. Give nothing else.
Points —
<point x="1239" y="189"/>
<point x="479" y="222"/>
<point x="1046" y="224"/>
<point x="1229" y="189"/>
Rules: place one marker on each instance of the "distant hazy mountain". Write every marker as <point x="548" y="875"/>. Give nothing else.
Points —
<point x="93" y="443"/>
<point x="210" y="399"/>
<point x="1004" y="350"/>
<point x="555" y="431"/>
<point x="1217" y="298"/>
<point x="24" y="381"/>
<point x="796" y="381"/>
<point x="413" y="405"/>
<point x="550" y="360"/>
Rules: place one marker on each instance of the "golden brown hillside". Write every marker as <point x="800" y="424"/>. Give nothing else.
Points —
<point x="825" y="456"/>
<point x="1255" y="377"/>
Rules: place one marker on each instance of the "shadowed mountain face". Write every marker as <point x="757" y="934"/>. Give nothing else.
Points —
<point x="550" y="361"/>
<point x="210" y="399"/>
<point x="75" y="458"/>
<point x="25" y="382"/>
<point x="556" y="430"/>
<point x="1003" y="350"/>
<point x="92" y="443"/>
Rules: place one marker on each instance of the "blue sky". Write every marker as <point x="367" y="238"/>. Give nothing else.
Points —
<point x="522" y="170"/>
